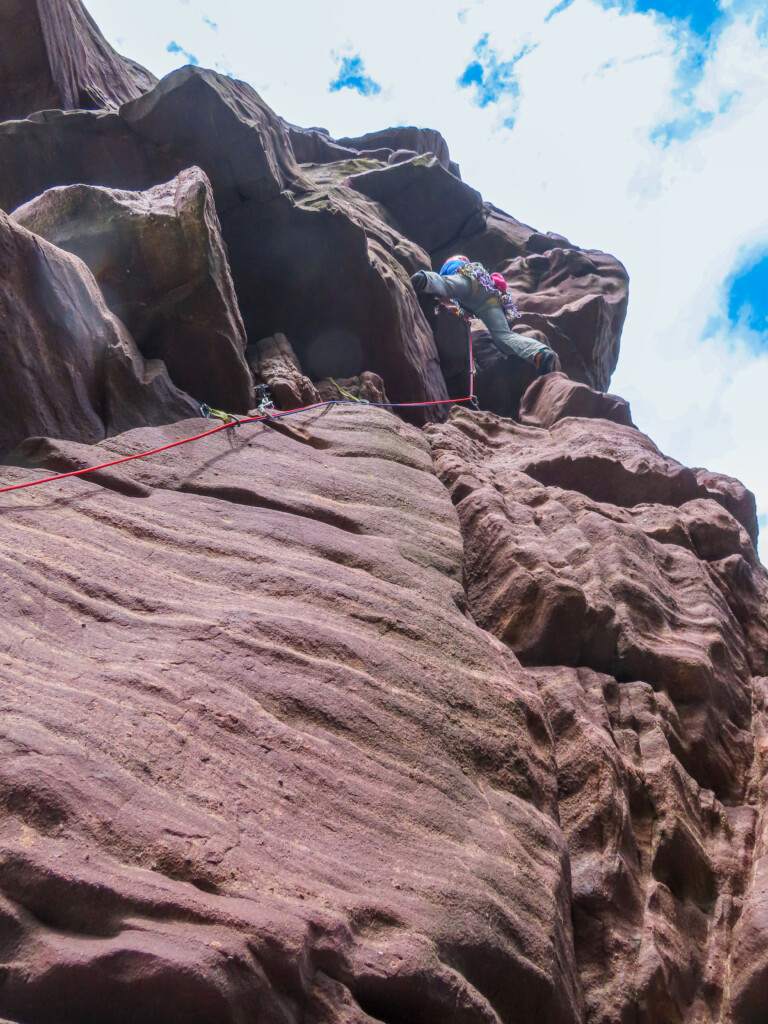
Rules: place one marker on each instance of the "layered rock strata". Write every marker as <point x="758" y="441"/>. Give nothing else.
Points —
<point x="333" y="719"/>
<point x="257" y="753"/>
<point x="421" y="804"/>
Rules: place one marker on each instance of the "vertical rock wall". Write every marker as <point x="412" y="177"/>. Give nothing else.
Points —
<point x="336" y="720"/>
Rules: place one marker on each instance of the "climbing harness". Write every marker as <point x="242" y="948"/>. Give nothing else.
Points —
<point x="477" y="272"/>
<point x="266" y="410"/>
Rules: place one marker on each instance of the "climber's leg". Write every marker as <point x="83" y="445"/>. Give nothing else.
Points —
<point x="506" y="341"/>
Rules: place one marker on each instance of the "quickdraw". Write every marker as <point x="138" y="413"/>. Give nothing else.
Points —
<point x="266" y="411"/>
<point x="264" y="399"/>
<point x="348" y="394"/>
<point x="217" y="414"/>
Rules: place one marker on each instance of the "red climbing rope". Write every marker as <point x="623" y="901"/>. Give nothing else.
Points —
<point x="127" y="458"/>
<point x="256" y="419"/>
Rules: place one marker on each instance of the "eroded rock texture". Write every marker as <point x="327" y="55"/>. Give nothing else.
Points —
<point x="67" y="366"/>
<point x="586" y="547"/>
<point x="332" y="719"/>
<point x="286" y="779"/>
<point x="554" y="397"/>
<point x="275" y="364"/>
<point x="52" y="56"/>
<point x="159" y="260"/>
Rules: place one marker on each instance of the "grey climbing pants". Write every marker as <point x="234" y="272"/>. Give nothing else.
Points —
<point x="487" y="307"/>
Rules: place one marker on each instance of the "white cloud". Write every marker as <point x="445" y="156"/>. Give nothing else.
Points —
<point x="579" y="160"/>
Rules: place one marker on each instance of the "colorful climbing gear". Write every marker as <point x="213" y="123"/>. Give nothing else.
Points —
<point x="452" y="265"/>
<point x="233" y="421"/>
<point x="348" y="394"/>
<point x="478" y="273"/>
<point x="217" y="414"/>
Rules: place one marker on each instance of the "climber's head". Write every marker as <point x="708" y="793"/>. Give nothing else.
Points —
<point x="452" y="265"/>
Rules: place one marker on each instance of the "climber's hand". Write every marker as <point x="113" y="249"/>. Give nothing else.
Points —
<point x="419" y="282"/>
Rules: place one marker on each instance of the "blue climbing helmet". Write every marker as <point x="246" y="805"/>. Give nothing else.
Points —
<point x="452" y="264"/>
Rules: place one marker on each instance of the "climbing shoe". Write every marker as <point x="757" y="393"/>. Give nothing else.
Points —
<point x="419" y="282"/>
<point x="547" y="362"/>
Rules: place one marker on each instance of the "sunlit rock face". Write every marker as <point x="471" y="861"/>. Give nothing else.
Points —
<point x="427" y="716"/>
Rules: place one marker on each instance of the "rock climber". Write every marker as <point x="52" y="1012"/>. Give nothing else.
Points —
<point x="475" y="292"/>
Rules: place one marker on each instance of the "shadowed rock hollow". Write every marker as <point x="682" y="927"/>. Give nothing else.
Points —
<point x="343" y="719"/>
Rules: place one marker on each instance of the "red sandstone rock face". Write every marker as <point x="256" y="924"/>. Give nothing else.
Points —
<point x="315" y="145"/>
<point x="342" y="299"/>
<point x="337" y="284"/>
<point x="554" y="397"/>
<point x="57" y="147"/>
<point x="159" y="260"/>
<point x="655" y="760"/>
<point x="749" y="965"/>
<point x="578" y="300"/>
<point x="432" y="205"/>
<point x="273" y="770"/>
<point x="67" y="366"/>
<point x="419" y="141"/>
<point x="575" y="298"/>
<point x="274" y="765"/>
<point x="368" y="387"/>
<point x="232" y="133"/>
<point x="274" y="363"/>
<point x="332" y="720"/>
<point x="52" y="55"/>
<point x="658" y="864"/>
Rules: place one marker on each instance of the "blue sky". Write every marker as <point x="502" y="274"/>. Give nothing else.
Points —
<point x="174" y="48"/>
<point x="748" y="297"/>
<point x="491" y="77"/>
<point x="701" y="15"/>
<point x="351" y="75"/>
<point x="633" y="127"/>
